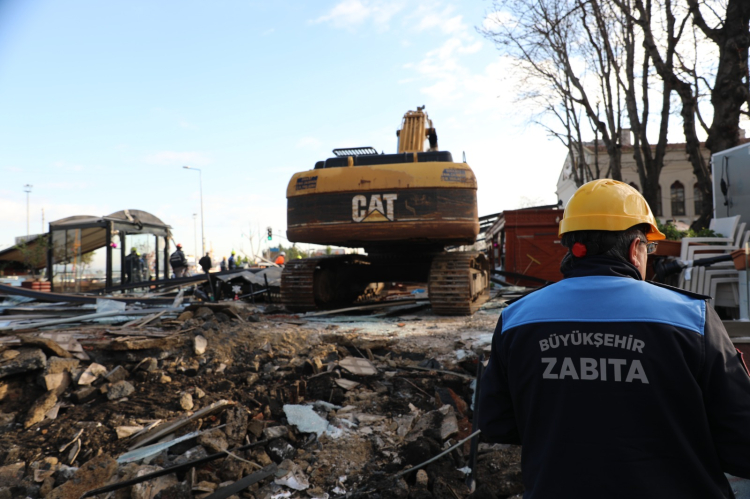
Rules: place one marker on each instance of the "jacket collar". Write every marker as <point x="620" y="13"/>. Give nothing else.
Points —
<point x="601" y="265"/>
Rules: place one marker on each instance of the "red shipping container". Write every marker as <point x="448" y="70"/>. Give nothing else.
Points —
<point x="532" y="246"/>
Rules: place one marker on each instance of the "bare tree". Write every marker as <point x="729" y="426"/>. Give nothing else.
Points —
<point x="666" y="66"/>
<point x="565" y="69"/>
<point x="731" y="90"/>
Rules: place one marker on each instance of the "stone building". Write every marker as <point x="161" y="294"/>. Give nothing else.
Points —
<point x="680" y="198"/>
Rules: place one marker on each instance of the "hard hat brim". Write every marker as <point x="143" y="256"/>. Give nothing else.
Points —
<point x="607" y="222"/>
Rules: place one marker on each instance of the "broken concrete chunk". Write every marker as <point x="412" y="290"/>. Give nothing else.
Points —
<point x="346" y="384"/>
<point x="197" y="452"/>
<point x="55" y="381"/>
<point x="6" y="421"/>
<point x="275" y="432"/>
<point x="422" y="478"/>
<point x="119" y="390"/>
<point x="358" y="366"/>
<point x="199" y="345"/>
<point x="203" y="312"/>
<point x="199" y="394"/>
<point x="56" y="365"/>
<point x="28" y="359"/>
<point x="305" y="419"/>
<point x="40" y="408"/>
<point x="119" y="373"/>
<point x="149" y="488"/>
<point x="9" y="354"/>
<point x="280" y="449"/>
<point x="449" y="426"/>
<point x="180" y="490"/>
<point x="185" y="316"/>
<point x="91" y="475"/>
<point x="49" y="346"/>
<point x="215" y="441"/>
<point x="126" y="431"/>
<point x="236" y="425"/>
<point x="149" y="364"/>
<point x="290" y="475"/>
<point x="12" y="474"/>
<point x="91" y="373"/>
<point x="186" y="401"/>
<point x="85" y="394"/>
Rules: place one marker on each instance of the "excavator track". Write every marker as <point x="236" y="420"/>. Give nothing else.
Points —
<point x="459" y="283"/>
<point x="321" y="283"/>
<point x="297" y="285"/>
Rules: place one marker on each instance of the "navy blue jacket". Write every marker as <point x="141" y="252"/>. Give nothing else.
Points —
<point x="617" y="388"/>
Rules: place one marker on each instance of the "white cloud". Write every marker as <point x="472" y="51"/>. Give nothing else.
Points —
<point x="13" y="169"/>
<point x="175" y="158"/>
<point x="348" y="14"/>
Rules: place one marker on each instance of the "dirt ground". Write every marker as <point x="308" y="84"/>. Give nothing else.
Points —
<point x="415" y="404"/>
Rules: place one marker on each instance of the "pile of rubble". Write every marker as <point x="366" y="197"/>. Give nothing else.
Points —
<point x="224" y="401"/>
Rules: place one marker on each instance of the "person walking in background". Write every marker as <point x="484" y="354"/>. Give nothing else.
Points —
<point x="205" y="263"/>
<point x="232" y="264"/>
<point x="178" y="261"/>
<point x="223" y="265"/>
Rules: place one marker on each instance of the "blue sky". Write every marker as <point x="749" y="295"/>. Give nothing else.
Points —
<point x="104" y="102"/>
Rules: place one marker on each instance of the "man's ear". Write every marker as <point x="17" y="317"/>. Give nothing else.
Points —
<point x="633" y="252"/>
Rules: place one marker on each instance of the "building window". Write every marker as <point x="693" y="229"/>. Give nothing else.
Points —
<point x="677" y="193"/>
<point x="635" y="186"/>
<point x="697" y="199"/>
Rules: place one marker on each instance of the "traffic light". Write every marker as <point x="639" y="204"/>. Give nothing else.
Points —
<point x="270" y="233"/>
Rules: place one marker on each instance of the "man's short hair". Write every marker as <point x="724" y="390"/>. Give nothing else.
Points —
<point x="614" y="244"/>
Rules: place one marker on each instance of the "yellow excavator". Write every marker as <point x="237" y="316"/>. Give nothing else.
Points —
<point x="404" y="209"/>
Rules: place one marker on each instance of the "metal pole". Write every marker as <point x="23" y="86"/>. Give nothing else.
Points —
<point x="195" y="236"/>
<point x="203" y="237"/>
<point x="27" y="190"/>
<point x="200" y="180"/>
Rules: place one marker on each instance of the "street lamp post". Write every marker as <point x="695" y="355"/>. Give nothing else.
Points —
<point x="200" y="179"/>
<point x="195" y="236"/>
<point x="27" y="190"/>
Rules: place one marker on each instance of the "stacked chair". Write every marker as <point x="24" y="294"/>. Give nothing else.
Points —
<point x="721" y="281"/>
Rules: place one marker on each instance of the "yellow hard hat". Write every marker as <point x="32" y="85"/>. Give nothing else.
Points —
<point x="607" y="204"/>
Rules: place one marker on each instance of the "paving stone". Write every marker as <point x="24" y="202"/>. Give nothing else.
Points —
<point x="29" y="359"/>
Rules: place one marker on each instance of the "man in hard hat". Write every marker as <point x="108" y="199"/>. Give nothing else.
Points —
<point x="614" y="386"/>
<point x="280" y="259"/>
<point x="232" y="263"/>
<point x="179" y="262"/>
